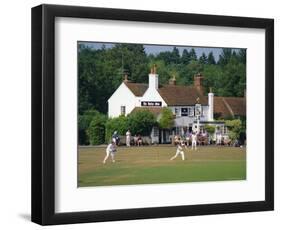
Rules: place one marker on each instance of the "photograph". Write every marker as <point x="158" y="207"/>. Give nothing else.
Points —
<point x="141" y="114"/>
<point x="154" y="113"/>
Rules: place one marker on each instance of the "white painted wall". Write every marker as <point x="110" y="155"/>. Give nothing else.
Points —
<point x="121" y="97"/>
<point x="185" y="121"/>
<point x="153" y="81"/>
<point x="151" y="94"/>
<point x="211" y="106"/>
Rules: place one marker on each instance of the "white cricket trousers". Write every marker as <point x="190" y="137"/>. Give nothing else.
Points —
<point x="107" y="155"/>
<point x="179" y="152"/>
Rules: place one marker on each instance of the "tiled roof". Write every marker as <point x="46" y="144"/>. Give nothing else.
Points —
<point x="155" y="110"/>
<point x="175" y="95"/>
<point x="138" y="89"/>
<point x="172" y="94"/>
<point x="180" y="95"/>
<point x="229" y="106"/>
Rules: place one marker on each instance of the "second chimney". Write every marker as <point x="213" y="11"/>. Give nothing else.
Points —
<point x="198" y="82"/>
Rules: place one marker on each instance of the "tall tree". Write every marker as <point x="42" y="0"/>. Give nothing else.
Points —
<point x="203" y="59"/>
<point x="193" y="56"/>
<point x="211" y="59"/>
<point x="175" y="56"/>
<point x="225" y="56"/>
<point x="242" y="56"/>
<point x="185" y="58"/>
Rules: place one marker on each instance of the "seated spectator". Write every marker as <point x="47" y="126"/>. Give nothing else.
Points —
<point x="135" y="140"/>
<point x="139" y="140"/>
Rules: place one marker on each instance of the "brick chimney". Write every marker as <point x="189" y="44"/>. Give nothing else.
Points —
<point x="125" y="77"/>
<point x="198" y="82"/>
<point x="172" y="81"/>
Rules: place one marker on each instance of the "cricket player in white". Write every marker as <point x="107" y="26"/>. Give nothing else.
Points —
<point x="128" y="138"/>
<point x="110" y="150"/>
<point x="179" y="151"/>
<point x="193" y="141"/>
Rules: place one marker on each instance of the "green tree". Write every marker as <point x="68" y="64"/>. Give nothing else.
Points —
<point x="83" y="124"/>
<point x="234" y="79"/>
<point x="141" y="122"/>
<point x="203" y="59"/>
<point x="210" y="129"/>
<point x="213" y="76"/>
<point x="175" y="56"/>
<point x="185" y="58"/>
<point x="211" y="59"/>
<point x="192" y="54"/>
<point x="96" y="130"/>
<point x="119" y="124"/>
<point x="166" y="119"/>
<point x="234" y="127"/>
<point x="242" y="56"/>
<point x="225" y="56"/>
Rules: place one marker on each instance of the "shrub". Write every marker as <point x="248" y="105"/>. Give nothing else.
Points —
<point x="235" y="128"/>
<point x="96" y="130"/>
<point x="119" y="124"/>
<point x="84" y="121"/>
<point x="141" y="122"/>
<point x="210" y="129"/>
<point x="167" y="119"/>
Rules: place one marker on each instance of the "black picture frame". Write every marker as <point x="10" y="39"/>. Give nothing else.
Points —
<point x="43" y="114"/>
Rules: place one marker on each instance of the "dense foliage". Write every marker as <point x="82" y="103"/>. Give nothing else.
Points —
<point x="235" y="128"/>
<point x="166" y="120"/>
<point x="210" y="129"/>
<point x="119" y="124"/>
<point x="83" y="124"/>
<point x="101" y="71"/>
<point x="141" y="122"/>
<point x="96" y="130"/>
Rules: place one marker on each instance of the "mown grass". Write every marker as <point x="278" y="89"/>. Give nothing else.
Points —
<point x="150" y="165"/>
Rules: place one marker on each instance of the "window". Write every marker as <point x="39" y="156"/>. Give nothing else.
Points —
<point x="123" y="110"/>
<point x="184" y="112"/>
<point x="224" y="130"/>
<point x="177" y="112"/>
<point x="191" y="112"/>
<point x="155" y="132"/>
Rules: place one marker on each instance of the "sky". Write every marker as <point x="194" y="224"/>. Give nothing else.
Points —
<point x="156" y="49"/>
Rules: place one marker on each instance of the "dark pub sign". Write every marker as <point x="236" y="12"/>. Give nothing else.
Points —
<point x="151" y="103"/>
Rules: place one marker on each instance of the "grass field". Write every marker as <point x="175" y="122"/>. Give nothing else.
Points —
<point x="150" y="165"/>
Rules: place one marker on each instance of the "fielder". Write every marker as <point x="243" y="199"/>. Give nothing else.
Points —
<point x="110" y="150"/>
<point x="179" y="151"/>
<point x="193" y="141"/>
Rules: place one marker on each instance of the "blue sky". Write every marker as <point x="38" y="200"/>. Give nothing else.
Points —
<point x="155" y="49"/>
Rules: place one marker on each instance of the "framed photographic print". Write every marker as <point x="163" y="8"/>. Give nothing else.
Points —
<point x="143" y="114"/>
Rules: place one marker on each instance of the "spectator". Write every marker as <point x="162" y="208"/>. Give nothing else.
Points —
<point x="139" y="140"/>
<point x="135" y="140"/>
<point x="128" y="138"/>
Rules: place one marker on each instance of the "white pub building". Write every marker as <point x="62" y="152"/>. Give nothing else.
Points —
<point x="191" y="108"/>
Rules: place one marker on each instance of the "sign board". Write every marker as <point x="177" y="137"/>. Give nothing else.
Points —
<point x="184" y="112"/>
<point x="151" y="103"/>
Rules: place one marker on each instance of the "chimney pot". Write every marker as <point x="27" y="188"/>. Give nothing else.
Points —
<point x="126" y="77"/>
<point x="198" y="80"/>
<point x="173" y="81"/>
